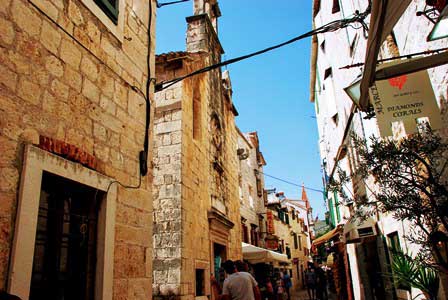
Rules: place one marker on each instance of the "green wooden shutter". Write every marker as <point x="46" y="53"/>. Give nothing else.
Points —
<point x="110" y="8"/>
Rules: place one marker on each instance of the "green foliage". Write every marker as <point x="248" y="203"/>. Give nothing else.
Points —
<point x="410" y="272"/>
<point x="410" y="178"/>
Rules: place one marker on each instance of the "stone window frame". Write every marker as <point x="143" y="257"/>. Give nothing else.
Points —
<point x="35" y="162"/>
<point x="116" y="29"/>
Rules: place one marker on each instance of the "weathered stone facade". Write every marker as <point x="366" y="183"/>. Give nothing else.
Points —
<point x="293" y="232"/>
<point x="251" y="189"/>
<point x="196" y="203"/>
<point x="71" y="76"/>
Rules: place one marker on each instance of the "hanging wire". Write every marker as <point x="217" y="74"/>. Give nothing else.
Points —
<point x="291" y="183"/>
<point x="330" y="27"/>
<point x="159" y="5"/>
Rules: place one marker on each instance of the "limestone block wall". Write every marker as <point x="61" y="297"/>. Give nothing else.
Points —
<point x="167" y="190"/>
<point x="195" y="188"/>
<point x="251" y="203"/>
<point x="235" y="249"/>
<point x="65" y="75"/>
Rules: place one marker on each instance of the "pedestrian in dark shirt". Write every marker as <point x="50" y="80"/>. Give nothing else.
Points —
<point x="321" y="286"/>
<point x="310" y="280"/>
<point x="288" y="284"/>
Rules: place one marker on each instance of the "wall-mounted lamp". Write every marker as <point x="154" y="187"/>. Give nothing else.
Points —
<point x="354" y="90"/>
<point x="440" y="29"/>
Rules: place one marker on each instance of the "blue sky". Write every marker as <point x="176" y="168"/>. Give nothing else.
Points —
<point x="271" y="91"/>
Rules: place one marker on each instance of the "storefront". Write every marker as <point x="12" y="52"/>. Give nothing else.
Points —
<point x="265" y="263"/>
<point x="330" y="251"/>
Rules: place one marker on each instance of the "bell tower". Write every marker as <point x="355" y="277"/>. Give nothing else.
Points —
<point x="202" y="32"/>
<point x="210" y="8"/>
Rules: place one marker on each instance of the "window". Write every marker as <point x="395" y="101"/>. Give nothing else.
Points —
<point x="336" y="7"/>
<point x="328" y="73"/>
<point x="300" y="242"/>
<point x="60" y="222"/>
<point x="110" y="8"/>
<point x="281" y="215"/>
<point x="288" y="252"/>
<point x="296" y="243"/>
<point x="65" y="247"/>
<point x="335" y="118"/>
<point x="253" y="234"/>
<point x="322" y="46"/>
<point x="394" y="241"/>
<point x="259" y="189"/>
<point x="245" y="234"/>
<point x="287" y="218"/>
<point x="197" y="118"/>
<point x="111" y="14"/>
<point x="200" y="282"/>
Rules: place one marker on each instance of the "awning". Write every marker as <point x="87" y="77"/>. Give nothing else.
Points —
<point x="328" y="236"/>
<point x="385" y="14"/>
<point x="257" y="255"/>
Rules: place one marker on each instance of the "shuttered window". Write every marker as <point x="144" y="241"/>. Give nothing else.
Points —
<point x="110" y="8"/>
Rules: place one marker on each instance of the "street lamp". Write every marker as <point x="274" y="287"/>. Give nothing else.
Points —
<point x="440" y="29"/>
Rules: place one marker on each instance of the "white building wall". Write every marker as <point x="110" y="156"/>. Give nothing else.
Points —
<point x="410" y="34"/>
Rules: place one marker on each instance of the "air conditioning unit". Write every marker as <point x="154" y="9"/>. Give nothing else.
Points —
<point x="355" y="231"/>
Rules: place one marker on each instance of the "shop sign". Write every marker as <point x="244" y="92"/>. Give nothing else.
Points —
<point x="272" y="244"/>
<point x="270" y="222"/>
<point x="404" y="99"/>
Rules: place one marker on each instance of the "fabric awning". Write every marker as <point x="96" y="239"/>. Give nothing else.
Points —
<point x="257" y="255"/>
<point x="385" y="14"/>
<point x="328" y="236"/>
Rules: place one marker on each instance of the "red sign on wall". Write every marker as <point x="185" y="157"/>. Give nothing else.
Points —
<point x="270" y="222"/>
<point x="272" y="244"/>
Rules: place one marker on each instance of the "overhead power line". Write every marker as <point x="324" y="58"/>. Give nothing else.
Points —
<point x="291" y="183"/>
<point x="330" y="27"/>
<point x="159" y="5"/>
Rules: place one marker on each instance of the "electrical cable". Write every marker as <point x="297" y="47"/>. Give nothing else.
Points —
<point x="143" y="156"/>
<point x="291" y="183"/>
<point x="159" y="5"/>
<point x="411" y="55"/>
<point x="330" y="27"/>
<point x="135" y="88"/>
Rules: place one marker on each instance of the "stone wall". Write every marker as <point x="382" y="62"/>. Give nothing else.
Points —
<point x="195" y="171"/>
<point x="64" y="75"/>
<point x="251" y="203"/>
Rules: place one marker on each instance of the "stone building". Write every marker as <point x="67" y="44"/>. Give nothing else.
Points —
<point x="196" y="202"/>
<point x="251" y="189"/>
<point x="75" y="222"/>
<point x="405" y="32"/>
<point x="291" y="233"/>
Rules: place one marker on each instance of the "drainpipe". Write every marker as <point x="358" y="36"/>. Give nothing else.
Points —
<point x="313" y="62"/>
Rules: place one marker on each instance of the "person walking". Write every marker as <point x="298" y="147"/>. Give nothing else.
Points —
<point x="310" y="280"/>
<point x="321" y="284"/>
<point x="237" y="285"/>
<point x="287" y="283"/>
<point x="280" y="288"/>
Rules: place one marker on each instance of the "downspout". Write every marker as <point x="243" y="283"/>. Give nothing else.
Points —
<point x="313" y="59"/>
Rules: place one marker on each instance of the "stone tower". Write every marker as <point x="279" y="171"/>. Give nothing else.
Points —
<point x="196" y="203"/>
